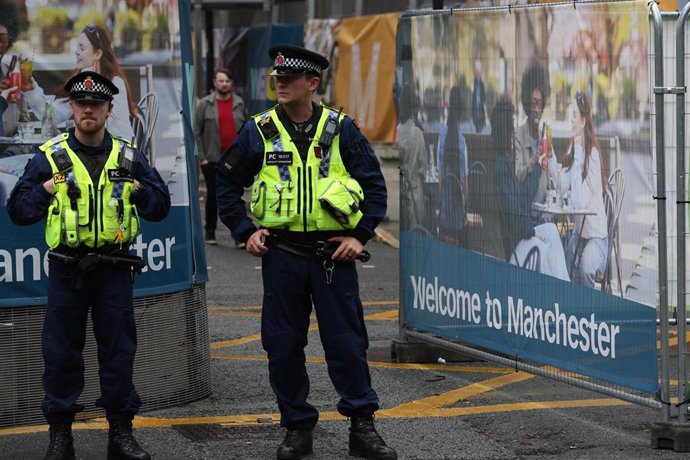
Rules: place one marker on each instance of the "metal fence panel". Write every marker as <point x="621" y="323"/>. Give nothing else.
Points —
<point x="528" y="218"/>
<point x="172" y="365"/>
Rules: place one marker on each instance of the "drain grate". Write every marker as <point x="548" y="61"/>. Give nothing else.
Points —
<point x="217" y="432"/>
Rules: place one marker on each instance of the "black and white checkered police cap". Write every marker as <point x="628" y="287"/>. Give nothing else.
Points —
<point x="90" y="86"/>
<point x="293" y="60"/>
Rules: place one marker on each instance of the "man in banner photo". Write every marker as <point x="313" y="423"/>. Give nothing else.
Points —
<point x="89" y="235"/>
<point x="317" y="180"/>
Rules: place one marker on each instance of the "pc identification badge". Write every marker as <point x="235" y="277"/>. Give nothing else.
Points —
<point x="279" y="158"/>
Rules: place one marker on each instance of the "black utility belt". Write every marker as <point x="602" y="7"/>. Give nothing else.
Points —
<point x="321" y="249"/>
<point x="91" y="261"/>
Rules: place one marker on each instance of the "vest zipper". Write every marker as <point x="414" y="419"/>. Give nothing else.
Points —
<point x="304" y="214"/>
<point x="310" y="192"/>
<point x="91" y="212"/>
<point x="95" y="213"/>
<point x="299" y="190"/>
<point x="100" y="213"/>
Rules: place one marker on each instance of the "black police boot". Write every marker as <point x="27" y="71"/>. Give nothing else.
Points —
<point x="61" y="442"/>
<point x="366" y="442"/>
<point x="121" y="442"/>
<point x="297" y="444"/>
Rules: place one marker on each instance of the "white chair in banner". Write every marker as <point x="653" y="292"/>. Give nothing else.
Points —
<point x="144" y="124"/>
<point x="613" y="202"/>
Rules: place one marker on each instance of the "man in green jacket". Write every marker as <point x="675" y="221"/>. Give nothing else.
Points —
<point x="217" y="119"/>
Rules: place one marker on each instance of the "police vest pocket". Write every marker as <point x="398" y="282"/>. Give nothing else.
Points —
<point x="258" y="204"/>
<point x="274" y="204"/>
<point x="70" y="226"/>
<point x="83" y="207"/>
<point x="120" y="228"/>
<point x="54" y="222"/>
<point x="339" y="201"/>
<point x="134" y="223"/>
<point x="280" y="200"/>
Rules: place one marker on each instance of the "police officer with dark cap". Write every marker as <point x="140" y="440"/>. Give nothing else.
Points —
<point x="318" y="195"/>
<point x="91" y="188"/>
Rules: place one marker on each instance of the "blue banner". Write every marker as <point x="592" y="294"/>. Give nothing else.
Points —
<point x="165" y="247"/>
<point x="149" y="56"/>
<point x="464" y="296"/>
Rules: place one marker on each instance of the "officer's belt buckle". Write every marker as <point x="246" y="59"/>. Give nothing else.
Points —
<point x="89" y="262"/>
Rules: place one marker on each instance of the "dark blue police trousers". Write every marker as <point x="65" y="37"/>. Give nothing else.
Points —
<point x="291" y="283"/>
<point x="107" y="292"/>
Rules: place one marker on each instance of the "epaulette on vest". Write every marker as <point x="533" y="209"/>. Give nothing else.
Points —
<point x="260" y="114"/>
<point x="56" y="140"/>
<point x="122" y="139"/>
<point x="328" y="107"/>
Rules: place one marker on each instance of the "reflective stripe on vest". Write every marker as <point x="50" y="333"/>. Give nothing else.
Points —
<point x="88" y="214"/>
<point x="286" y="196"/>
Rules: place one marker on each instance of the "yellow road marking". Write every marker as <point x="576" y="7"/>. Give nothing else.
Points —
<point x="252" y="338"/>
<point x="425" y="405"/>
<point x="233" y="342"/>
<point x="258" y="307"/>
<point x="235" y="313"/>
<point x="498" y="408"/>
<point x="220" y="308"/>
<point x="409" y="366"/>
<point x="252" y="419"/>
<point x="389" y="315"/>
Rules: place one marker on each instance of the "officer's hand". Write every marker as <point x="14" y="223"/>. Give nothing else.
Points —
<point x="255" y="246"/>
<point x="348" y="250"/>
<point x="49" y="185"/>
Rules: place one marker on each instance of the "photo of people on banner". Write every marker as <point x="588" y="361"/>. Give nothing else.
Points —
<point x="43" y="46"/>
<point x="135" y="45"/>
<point x="525" y="137"/>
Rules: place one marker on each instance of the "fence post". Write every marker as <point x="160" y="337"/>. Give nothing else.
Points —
<point x="661" y="206"/>
<point x="681" y="202"/>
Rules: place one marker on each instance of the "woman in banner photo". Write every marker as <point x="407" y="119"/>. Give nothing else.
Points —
<point x="452" y="166"/>
<point x="95" y="52"/>
<point x="583" y="175"/>
<point x="514" y="197"/>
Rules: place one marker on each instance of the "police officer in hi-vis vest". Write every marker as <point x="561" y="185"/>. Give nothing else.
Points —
<point x="318" y="195"/>
<point x="91" y="188"/>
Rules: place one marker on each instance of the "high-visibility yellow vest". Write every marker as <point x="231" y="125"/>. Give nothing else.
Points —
<point x="295" y="195"/>
<point x="84" y="213"/>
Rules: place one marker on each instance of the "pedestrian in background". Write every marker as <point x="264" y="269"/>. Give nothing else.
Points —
<point x="91" y="187"/>
<point x="217" y="119"/>
<point x="317" y="179"/>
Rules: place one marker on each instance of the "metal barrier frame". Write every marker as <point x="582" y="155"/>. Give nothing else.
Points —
<point x="681" y="202"/>
<point x="661" y="401"/>
<point x="172" y="364"/>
